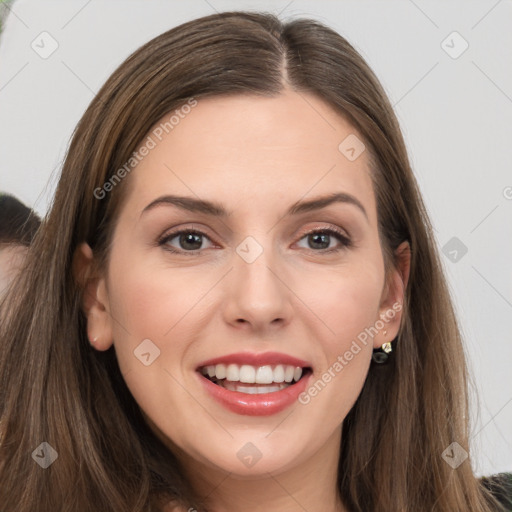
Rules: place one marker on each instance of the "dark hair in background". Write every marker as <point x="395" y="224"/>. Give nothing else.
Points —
<point x="18" y="223"/>
<point x="56" y="388"/>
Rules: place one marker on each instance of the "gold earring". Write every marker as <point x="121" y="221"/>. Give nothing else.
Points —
<point x="380" y="355"/>
<point x="386" y="346"/>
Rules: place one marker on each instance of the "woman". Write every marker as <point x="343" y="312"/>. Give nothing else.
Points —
<point x="301" y="354"/>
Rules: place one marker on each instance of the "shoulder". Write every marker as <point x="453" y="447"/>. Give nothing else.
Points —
<point x="500" y="485"/>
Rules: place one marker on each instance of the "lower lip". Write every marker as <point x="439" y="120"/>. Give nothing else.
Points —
<point x="264" y="404"/>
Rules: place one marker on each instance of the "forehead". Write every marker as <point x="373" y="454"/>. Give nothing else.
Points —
<point x="249" y="151"/>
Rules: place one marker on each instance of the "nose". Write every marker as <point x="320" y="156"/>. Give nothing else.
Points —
<point x="257" y="296"/>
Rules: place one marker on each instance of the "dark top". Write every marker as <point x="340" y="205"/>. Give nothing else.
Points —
<point x="500" y="486"/>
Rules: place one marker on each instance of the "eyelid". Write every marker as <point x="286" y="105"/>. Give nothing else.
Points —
<point x="328" y="227"/>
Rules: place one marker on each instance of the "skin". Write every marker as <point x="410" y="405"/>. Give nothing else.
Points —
<point x="11" y="260"/>
<point x="257" y="156"/>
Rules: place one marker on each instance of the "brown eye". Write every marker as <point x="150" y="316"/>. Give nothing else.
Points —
<point x="319" y="240"/>
<point x="188" y="241"/>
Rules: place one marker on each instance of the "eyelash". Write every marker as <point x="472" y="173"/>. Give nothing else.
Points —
<point x="342" y="238"/>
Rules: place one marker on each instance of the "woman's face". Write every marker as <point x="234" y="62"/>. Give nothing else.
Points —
<point x="253" y="289"/>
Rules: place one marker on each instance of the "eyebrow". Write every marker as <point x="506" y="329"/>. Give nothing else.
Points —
<point x="215" y="209"/>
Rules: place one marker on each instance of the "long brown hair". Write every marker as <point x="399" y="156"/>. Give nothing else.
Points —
<point x="56" y="389"/>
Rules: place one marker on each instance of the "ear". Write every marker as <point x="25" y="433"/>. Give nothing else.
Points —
<point x="392" y="300"/>
<point x="95" y="303"/>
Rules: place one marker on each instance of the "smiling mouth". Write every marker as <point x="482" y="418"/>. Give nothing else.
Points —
<point x="254" y="380"/>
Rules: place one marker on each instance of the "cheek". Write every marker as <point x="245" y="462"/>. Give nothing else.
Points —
<point x="151" y="301"/>
<point x="349" y="303"/>
<point x="349" y="306"/>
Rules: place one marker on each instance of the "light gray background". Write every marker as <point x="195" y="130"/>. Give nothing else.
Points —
<point x="456" y="116"/>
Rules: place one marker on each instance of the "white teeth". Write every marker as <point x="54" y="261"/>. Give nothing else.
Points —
<point x="220" y="371"/>
<point x="288" y="373"/>
<point x="264" y="375"/>
<point x="232" y="372"/>
<point x="251" y="390"/>
<point x="249" y="374"/>
<point x="279" y="373"/>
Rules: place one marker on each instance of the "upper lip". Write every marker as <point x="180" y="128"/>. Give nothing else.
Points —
<point x="255" y="359"/>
